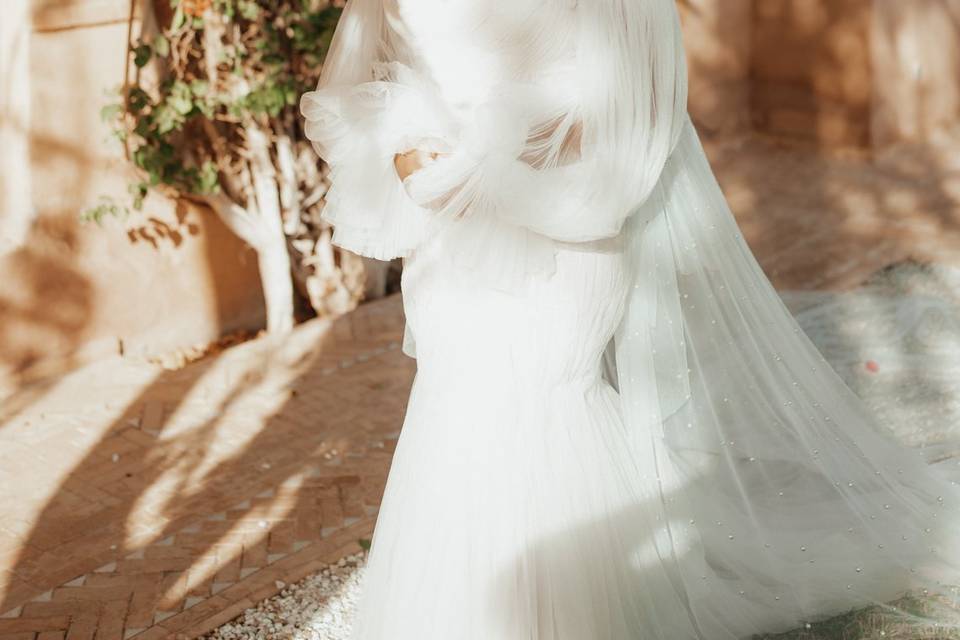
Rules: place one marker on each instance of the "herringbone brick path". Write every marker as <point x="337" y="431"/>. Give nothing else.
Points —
<point x="144" y="503"/>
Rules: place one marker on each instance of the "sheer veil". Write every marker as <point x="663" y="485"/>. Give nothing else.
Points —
<point x="774" y="497"/>
<point x="778" y="496"/>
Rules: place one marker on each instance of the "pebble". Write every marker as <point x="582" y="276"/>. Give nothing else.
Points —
<point x="319" y="607"/>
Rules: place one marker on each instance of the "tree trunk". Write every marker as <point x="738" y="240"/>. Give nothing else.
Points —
<point x="273" y="259"/>
<point x="274" y="263"/>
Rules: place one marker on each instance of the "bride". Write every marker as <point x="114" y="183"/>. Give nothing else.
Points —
<point x="616" y="429"/>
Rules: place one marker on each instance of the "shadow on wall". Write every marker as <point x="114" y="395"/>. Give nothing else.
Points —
<point x="47" y="311"/>
<point x="56" y="293"/>
<point x="69" y="291"/>
<point x="46" y="300"/>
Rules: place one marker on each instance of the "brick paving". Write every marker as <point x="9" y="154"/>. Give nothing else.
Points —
<point x="137" y="502"/>
<point x="819" y="221"/>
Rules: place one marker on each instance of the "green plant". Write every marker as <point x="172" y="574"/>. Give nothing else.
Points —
<point x="210" y="114"/>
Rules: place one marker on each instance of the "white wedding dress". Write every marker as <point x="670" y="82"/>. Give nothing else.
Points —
<point x="616" y="429"/>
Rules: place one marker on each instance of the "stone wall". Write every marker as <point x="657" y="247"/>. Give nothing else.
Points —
<point x="71" y="291"/>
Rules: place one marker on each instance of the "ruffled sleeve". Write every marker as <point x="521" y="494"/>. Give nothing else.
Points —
<point x="357" y="130"/>
<point x="495" y="172"/>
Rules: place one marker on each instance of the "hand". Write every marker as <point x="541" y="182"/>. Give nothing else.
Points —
<point x="412" y="161"/>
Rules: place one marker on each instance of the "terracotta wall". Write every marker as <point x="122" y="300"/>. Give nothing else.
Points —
<point x="916" y="53"/>
<point x="71" y="291"/>
<point x="863" y="73"/>
<point x="811" y="69"/>
<point x="718" y="39"/>
<point x="860" y="73"/>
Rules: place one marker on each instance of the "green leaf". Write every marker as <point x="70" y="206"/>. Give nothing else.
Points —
<point x="142" y="55"/>
<point x="167" y="118"/>
<point x="364" y="543"/>
<point x="137" y="99"/>
<point x="179" y="18"/>
<point x="200" y="88"/>
<point x="209" y="179"/>
<point x="207" y="108"/>
<point x="181" y="98"/>
<point x="139" y="193"/>
<point x="106" y="207"/>
<point x="248" y="10"/>
<point x="143" y="128"/>
<point x="226" y="9"/>
<point x="110" y="112"/>
<point x="161" y="45"/>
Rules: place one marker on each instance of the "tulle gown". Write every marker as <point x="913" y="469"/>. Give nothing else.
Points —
<point x="616" y="429"/>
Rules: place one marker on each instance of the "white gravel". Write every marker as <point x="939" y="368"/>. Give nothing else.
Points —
<point x="319" y="607"/>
